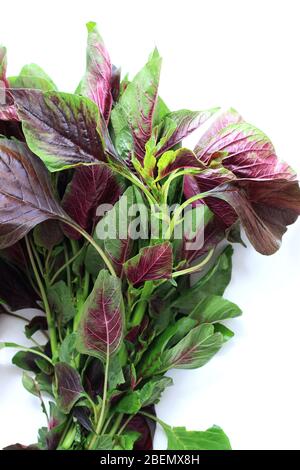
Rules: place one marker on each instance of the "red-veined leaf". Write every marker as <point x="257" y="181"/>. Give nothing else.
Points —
<point x="101" y="327"/>
<point x="152" y="262"/>
<point x="89" y="187"/>
<point x="96" y="83"/>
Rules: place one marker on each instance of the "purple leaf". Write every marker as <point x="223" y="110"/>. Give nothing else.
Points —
<point x="172" y="160"/>
<point x="146" y="427"/>
<point x="229" y="117"/>
<point x="69" y="387"/>
<point x="101" y="327"/>
<point x="179" y="124"/>
<point x="152" y="262"/>
<point x="206" y="181"/>
<point x="25" y="193"/>
<point x="264" y="207"/>
<point x="15" y="291"/>
<point x="96" y="83"/>
<point x="90" y="187"/>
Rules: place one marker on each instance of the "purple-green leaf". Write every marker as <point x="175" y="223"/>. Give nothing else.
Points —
<point x="194" y="350"/>
<point x="152" y="262"/>
<point x="100" y="331"/>
<point x="96" y="83"/>
<point x="7" y="108"/>
<point x="26" y="195"/>
<point x="132" y="117"/>
<point x="179" y="124"/>
<point x="69" y="387"/>
<point x="64" y="130"/>
<point x="89" y="187"/>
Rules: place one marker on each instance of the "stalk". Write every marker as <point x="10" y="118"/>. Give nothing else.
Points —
<point x="93" y="243"/>
<point x="140" y="309"/>
<point x="50" y="320"/>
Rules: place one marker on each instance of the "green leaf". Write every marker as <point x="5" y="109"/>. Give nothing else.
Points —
<point x="225" y="332"/>
<point x="68" y="352"/>
<point x="213" y="308"/>
<point x="30" y="385"/>
<point x="104" y="442"/>
<point x="119" y="245"/>
<point x="151" y="392"/>
<point x="115" y="373"/>
<point x="61" y="301"/>
<point x="211" y="439"/>
<point x="35" y="71"/>
<point x="194" y="350"/>
<point x="214" y="283"/>
<point x="129" y="404"/>
<point x="126" y="441"/>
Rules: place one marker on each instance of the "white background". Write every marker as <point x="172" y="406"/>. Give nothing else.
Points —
<point x="243" y="54"/>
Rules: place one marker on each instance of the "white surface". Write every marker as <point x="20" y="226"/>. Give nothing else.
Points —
<point x="233" y="53"/>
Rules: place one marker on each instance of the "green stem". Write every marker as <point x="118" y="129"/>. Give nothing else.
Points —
<point x="140" y="309"/>
<point x="116" y="424"/>
<point x="103" y="405"/>
<point x="154" y="418"/>
<point x="50" y="321"/>
<point x="93" y="243"/>
<point x="59" y="271"/>
<point x="23" y="348"/>
<point x="122" y="429"/>
<point x="67" y="265"/>
<point x="197" y="267"/>
<point x="180" y="209"/>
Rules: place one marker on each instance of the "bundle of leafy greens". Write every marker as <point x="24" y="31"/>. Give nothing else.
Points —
<point x="119" y="310"/>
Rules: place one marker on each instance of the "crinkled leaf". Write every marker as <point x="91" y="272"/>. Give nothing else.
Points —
<point x="25" y="193"/>
<point x="132" y="117"/>
<point x="69" y="387"/>
<point x="90" y="187"/>
<point x="64" y="130"/>
<point x="177" y="125"/>
<point x="211" y="439"/>
<point x="224" y="120"/>
<point x="100" y="330"/>
<point x="152" y="262"/>
<point x="96" y="83"/>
